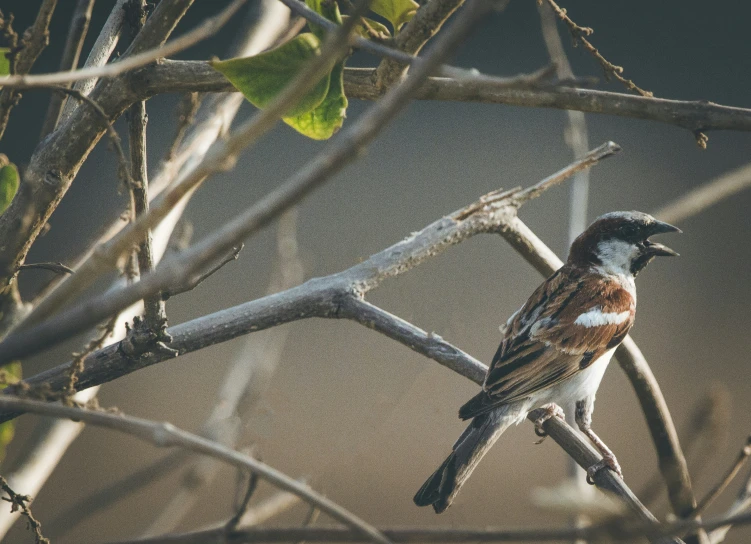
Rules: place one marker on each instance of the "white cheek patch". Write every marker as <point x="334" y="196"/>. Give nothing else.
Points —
<point x="597" y="318"/>
<point x="616" y="256"/>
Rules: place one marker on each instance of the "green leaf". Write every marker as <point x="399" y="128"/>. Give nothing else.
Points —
<point x="327" y="8"/>
<point x="9" y="180"/>
<point x="382" y="30"/>
<point x="397" y="12"/>
<point x="10" y="373"/>
<point x="4" y="61"/>
<point x="262" y="77"/>
<point x="325" y="120"/>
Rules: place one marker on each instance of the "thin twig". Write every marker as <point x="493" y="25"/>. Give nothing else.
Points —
<point x="717" y="490"/>
<point x="579" y="33"/>
<point x="100" y="53"/>
<point x="198" y="280"/>
<point x="122" y="162"/>
<point x="57" y="268"/>
<point x="167" y="435"/>
<point x="21" y="503"/>
<point x="77" y="364"/>
<point x="242" y="508"/>
<point x="186" y="115"/>
<point x="739" y="506"/>
<point x="206" y="29"/>
<point x="34" y="40"/>
<point x="79" y="26"/>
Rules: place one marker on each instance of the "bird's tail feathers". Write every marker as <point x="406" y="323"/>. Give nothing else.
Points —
<point x="440" y="489"/>
<point x="478" y="405"/>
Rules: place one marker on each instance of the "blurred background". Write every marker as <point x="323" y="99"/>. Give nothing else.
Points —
<point x="364" y="418"/>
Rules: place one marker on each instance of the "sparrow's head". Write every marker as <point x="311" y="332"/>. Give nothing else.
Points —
<point x="618" y="242"/>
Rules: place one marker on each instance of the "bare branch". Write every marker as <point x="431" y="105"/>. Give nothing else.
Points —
<point x="579" y="33"/>
<point x="56" y="329"/>
<point x="339" y="153"/>
<point x="708" y="423"/>
<point x="671" y="460"/>
<point x="166" y="435"/>
<point x="575" y="133"/>
<point x="79" y="26"/>
<point x="220" y="158"/>
<point x="20" y="503"/>
<point x="323" y="297"/>
<point x="737" y="509"/>
<point x="33" y="42"/>
<point x="140" y="54"/>
<point x="696" y="115"/>
<point x="100" y="53"/>
<point x="57" y="268"/>
<point x="717" y="490"/>
<point x="195" y="282"/>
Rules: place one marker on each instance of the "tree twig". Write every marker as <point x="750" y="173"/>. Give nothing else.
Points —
<point x="20" y="503"/>
<point x="57" y="268"/>
<point x="33" y="42"/>
<point x="79" y="26"/>
<point x="100" y="53"/>
<point x="207" y="28"/>
<point x="717" y="490"/>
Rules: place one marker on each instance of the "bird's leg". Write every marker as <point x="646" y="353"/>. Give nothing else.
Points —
<point x="583" y="416"/>
<point x="551" y="410"/>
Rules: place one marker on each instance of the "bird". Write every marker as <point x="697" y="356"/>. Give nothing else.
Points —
<point x="557" y="346"/>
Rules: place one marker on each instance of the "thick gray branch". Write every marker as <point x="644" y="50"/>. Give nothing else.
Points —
<point x="326" y="297"/>
<point x="693" y="115"/>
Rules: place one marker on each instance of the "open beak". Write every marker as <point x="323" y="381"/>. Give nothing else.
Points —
<point x="659" y="250"/>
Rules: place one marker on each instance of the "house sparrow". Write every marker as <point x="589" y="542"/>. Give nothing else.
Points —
<point x="556" y="347"/>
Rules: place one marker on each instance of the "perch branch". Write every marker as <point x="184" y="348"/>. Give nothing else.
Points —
<point x="322" y="297"/>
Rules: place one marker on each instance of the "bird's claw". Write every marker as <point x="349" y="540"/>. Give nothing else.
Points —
<point x="551" y="410"/>
<point x="609" y="462"/>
